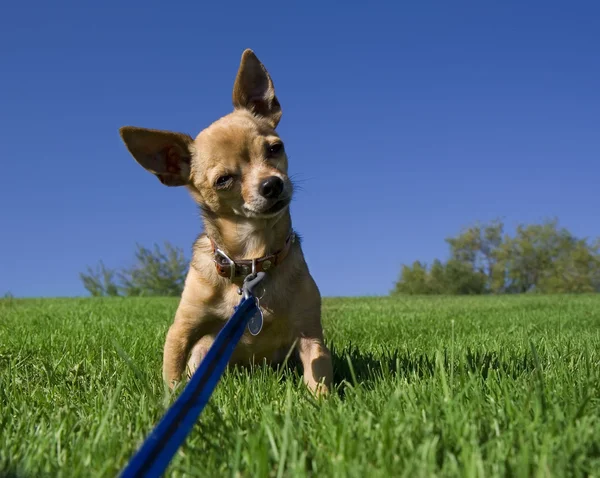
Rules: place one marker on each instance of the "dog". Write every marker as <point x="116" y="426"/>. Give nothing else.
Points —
<point x="236" y="170"/>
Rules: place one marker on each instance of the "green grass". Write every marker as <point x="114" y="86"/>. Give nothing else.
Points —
<point x="493" y="386"/>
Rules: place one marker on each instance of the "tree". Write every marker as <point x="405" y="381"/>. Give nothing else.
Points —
<point x="154" y="273"/>
<point x="541" y="258"/>
<point x="575" y="271"/>
<point x="478" y="246"/>
<point x="462" y="279"/>
<point x="100" y="282"/>
<point x="454" y="277"/>
<point x="413" y="280"/>
<point x="437" y="278"/>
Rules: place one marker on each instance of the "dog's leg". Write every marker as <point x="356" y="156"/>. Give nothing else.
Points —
<point x="197" y="354"/>
<point x="316" y="361"/>
<point x="313" y="353"/>
<point x="192" y="322"/>
<point x="189" y="326"/>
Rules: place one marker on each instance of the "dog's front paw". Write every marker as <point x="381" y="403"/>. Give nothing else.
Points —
<point x="318" y="389"/>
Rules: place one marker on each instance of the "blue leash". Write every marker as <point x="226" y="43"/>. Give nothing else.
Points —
<point x="157" y="451"/>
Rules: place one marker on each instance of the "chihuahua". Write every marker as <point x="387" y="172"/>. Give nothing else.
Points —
<point x="236" y="170"/>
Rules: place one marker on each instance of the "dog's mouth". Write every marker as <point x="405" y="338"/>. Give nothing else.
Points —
<point x="274" y="209"/>
<point x="278" y="206"/>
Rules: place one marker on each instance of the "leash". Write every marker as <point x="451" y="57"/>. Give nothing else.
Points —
<point x="157" y="451"/>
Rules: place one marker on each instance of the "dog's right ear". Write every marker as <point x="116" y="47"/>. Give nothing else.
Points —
<point x="254" y="90"/>
<point x="165" y="154"/>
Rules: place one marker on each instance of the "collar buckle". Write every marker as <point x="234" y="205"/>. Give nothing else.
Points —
<point x="220" y="254"/>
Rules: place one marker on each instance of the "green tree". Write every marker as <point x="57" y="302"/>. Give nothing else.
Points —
<point x="479" y="246"/>
<point x="454" y="278"/>
<point x="575" y="270"/>
<point x="154" y="273"/>
<point x="541" y="258"/>
<point x="413" y="280"/>
<point x="100" y="282"/>
<point x="462" y="279"/>
<point x="534" y="255"/>
<point x="437" y="280"/>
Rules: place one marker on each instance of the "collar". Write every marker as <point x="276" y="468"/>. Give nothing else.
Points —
<point x="227" y="267"/>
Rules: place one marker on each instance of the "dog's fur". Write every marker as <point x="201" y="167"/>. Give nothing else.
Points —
<point x="223" y="169"/>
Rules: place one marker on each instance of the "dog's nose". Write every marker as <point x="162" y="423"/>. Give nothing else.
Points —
<point x="271" y="187"/>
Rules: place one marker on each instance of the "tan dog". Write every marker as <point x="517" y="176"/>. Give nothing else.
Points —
<point x="236" y="170"/>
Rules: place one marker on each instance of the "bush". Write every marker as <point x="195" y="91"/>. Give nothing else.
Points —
<point x="541" y="258"/>
<point x="154" y="273"/>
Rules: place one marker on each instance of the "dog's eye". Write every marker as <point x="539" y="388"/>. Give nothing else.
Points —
<point x="275" y="148"/>
<point x="224" y="181"/>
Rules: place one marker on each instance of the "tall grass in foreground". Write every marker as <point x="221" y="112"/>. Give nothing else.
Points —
<point x="483" y="386"/>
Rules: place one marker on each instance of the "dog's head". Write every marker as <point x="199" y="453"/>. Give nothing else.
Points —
<point x="237" y="165"/>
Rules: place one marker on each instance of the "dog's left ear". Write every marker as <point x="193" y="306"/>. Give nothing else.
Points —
<point x="254" y="90"/>
<point x="165" y="154"/>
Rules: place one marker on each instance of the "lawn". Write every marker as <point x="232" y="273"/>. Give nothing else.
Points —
<point x="487" y="386"/>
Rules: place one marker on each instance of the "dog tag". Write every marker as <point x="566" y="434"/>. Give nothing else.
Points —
<point x="255" y="323"/>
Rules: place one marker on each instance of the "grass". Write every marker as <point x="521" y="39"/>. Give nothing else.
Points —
<point x="493" y="386"/>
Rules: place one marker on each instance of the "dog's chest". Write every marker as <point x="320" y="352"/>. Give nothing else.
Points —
<point x="275" y="310"/>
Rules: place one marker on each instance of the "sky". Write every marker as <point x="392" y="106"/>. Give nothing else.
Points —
<point x="404" y="122"/>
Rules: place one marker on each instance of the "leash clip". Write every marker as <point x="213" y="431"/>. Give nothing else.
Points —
<point x="250" y="283"/>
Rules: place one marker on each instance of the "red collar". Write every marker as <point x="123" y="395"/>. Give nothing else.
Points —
<point x="227" y="267"/>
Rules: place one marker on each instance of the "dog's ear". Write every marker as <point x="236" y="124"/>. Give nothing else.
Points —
<point x="254" y="90"/>
<point x="165" y="154"/>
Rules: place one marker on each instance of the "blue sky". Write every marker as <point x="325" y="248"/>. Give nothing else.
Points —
<point x="404" y="121"/>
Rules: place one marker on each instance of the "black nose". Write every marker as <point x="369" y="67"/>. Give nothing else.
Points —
<point x="271" y="187"/>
